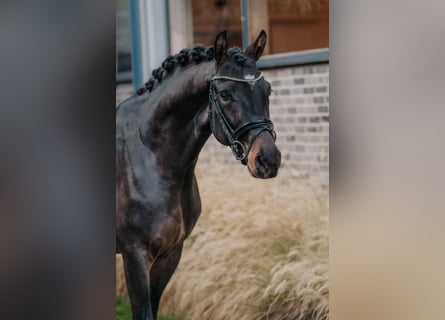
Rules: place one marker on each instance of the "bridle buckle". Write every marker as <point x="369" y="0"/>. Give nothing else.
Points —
<point x="238" y="149"/>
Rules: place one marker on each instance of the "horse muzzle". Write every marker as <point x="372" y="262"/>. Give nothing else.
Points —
<point x="264" y="158"/>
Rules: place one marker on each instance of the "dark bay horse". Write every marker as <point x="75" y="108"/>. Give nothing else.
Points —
<point x="159" y="134"/>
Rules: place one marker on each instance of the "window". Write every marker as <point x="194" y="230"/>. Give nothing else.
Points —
<point x="291" y="25"/>
<point x="211" y="17"/>
<point x="123" y="42"/>
<point x="298" y="25"/>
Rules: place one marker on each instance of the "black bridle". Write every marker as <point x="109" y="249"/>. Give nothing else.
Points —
<point x="239" y="150"/>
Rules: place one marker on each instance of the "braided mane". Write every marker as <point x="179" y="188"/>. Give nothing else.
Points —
<point x="197" y="54"/>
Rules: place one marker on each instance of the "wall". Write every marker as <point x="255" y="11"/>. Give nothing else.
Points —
<point x="299" y="108"/>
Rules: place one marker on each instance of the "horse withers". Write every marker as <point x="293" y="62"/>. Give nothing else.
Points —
<point x="160" y="132"/>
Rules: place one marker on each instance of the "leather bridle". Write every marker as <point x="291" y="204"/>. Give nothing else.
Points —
<point x="233" y="135"/>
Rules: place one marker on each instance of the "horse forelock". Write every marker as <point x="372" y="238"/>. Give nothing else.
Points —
<point x="239" y="57"/>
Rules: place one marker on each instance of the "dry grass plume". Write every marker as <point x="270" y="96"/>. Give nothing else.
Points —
<point x="258" y="251"/>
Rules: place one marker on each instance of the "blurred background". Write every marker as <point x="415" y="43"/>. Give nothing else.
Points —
<point x="386" y="182"/>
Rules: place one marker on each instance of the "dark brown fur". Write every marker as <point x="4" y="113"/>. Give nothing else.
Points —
<point x="159" y="134"/>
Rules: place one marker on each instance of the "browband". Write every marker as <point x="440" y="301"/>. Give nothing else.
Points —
<point x="238" y="79"/>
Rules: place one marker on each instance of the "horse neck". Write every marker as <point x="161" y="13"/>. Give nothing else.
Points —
<point x="179" y="124"/>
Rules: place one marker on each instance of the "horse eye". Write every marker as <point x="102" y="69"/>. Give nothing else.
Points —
<point x="225" y="95"/>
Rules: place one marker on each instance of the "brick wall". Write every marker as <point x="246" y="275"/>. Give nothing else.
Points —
<point x="299" y="108"/>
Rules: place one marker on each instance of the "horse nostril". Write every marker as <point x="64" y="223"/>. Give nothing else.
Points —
<point x="261" y="163"/>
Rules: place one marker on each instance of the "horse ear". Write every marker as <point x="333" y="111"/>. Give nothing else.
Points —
<point x="221" y="47"/>
<point x="256" y="49"/>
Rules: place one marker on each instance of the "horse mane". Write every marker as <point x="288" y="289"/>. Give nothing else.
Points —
<point x="197" y="54"/>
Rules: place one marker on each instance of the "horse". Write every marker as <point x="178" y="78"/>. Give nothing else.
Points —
<point x="160" y="132"/>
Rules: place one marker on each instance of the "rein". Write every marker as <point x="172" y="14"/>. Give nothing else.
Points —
<point x="239" y="150"/>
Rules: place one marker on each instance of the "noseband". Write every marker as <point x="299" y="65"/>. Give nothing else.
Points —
<point x="239" y="150"/>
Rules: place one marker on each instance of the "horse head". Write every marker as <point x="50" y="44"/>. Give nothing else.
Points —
<point x="239" y="107"/>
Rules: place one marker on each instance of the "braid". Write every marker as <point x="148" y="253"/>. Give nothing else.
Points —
<point x="183" y="57"/>
<point x="149" y="84"/>
<point x="238" y="56"/>
<point x="169" y="64"/>
<point x="197" y="54"/>
<point x="209" y="51"/>
<point x="141" y="91"/>
<point x="158" y="74"/>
